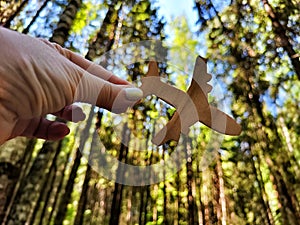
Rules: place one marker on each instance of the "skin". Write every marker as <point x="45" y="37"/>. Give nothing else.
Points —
<point x="38" y="78"/>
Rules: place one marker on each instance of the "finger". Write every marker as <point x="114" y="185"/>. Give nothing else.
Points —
<point x="116" y="80"/>
<point x="71" y="113"/>
<point x="45" y="129"/>
<point x="85" y="87"/>
<point x="6" y="127"/>
<point x="87" y="65"/>
<point x="96" y="91"/>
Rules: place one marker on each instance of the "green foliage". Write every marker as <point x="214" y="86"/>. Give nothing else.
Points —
<point x="247" y="47"/>
<point x="88" y="12"/>
<point x="250" y="179"/>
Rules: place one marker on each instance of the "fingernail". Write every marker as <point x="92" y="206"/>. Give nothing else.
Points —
<point x="133" y="94"/>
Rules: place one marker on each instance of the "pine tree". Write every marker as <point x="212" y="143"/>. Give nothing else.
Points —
<point x="252" y="51"/>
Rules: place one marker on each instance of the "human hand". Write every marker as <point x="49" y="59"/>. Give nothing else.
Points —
<point x="38" y="77"/>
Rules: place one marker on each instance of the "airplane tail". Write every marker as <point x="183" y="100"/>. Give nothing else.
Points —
<point x="212" y="117"/>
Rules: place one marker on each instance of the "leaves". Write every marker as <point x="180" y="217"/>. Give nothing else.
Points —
<point x="250" y="179"/>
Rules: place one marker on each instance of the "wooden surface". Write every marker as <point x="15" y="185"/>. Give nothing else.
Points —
<point x="191" y="106"/>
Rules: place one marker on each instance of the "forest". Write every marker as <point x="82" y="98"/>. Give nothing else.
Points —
<point x="97" y="175"/>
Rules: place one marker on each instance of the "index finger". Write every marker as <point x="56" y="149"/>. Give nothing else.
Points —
<point x="87" y="65"/>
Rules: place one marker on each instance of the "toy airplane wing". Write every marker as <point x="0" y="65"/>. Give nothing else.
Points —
<point x="191" y="107"/>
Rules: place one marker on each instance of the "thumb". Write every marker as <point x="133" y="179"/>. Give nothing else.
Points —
<point x="113" y="97"/>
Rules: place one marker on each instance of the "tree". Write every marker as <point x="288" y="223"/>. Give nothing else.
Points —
<point x="9" y="10"/>
<point x="250" y="50"/>
<point x="61" y="32"/>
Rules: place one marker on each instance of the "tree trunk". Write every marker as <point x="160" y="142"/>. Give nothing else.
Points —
<point x="30" y="189"/>
<point x="189" y="170"/>
<point x="263" y="196"/>
<point x="142" y="205"/>
<point x="42" y="202"/>
<point x="79" y="218"/>
<point x="66" y="197"/>
<point x="284" y="40"/>
<point x="57" y="191"/>
<point x="198" y="180"/>
<point x="118" y="191"/>
<point x="11" y="17"/>
<point x="61" y="32"/>
<point x="164" y="190"/>
<point x="154" y="204"/>
<point x="288" y="214"/>
<point x="177" y="200"/>
<point x="12" y="174"/>
<point x="221" y="191"/>
<point x="216" y="195"/>
<point x="107" y="34"/>
<point x="130" y="201"/>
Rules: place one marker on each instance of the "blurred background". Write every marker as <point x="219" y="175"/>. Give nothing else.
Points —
<point x="252" y="47"/>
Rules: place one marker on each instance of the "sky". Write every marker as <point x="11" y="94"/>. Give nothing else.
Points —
<point x="173" y="8"/>
<point x="170" y="9"/>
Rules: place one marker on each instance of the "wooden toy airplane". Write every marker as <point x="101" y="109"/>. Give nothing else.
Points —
<point x="191" y="106"/>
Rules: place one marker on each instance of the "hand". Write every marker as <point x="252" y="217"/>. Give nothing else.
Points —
<point x="38" y="77"/>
